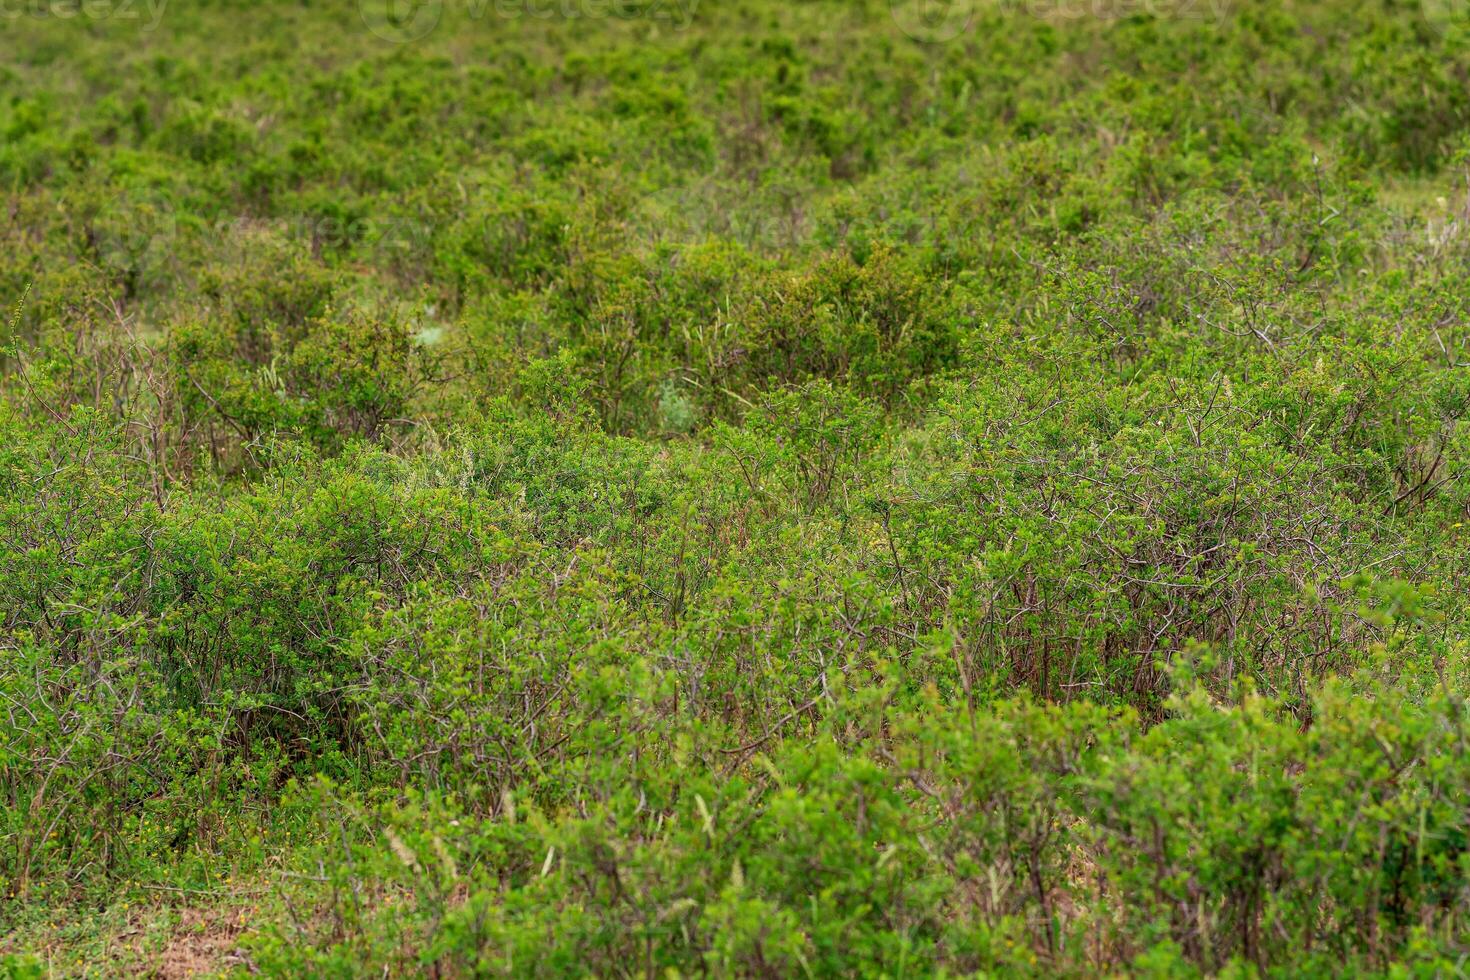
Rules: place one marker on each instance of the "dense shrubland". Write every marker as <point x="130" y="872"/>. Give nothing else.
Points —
<point x="767" y="495"/>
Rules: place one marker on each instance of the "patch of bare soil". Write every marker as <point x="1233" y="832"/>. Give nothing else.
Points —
<point x="204" y="942"/>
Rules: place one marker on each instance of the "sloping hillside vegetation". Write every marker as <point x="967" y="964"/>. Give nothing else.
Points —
<point x="759" y="488"/>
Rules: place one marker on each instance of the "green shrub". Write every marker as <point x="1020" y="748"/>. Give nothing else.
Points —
<point x="735" y="489"/>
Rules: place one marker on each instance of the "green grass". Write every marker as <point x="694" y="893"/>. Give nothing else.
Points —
<point x="674" y="488"/>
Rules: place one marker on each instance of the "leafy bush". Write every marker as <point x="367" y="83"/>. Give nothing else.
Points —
<point x="745" y="489"/>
